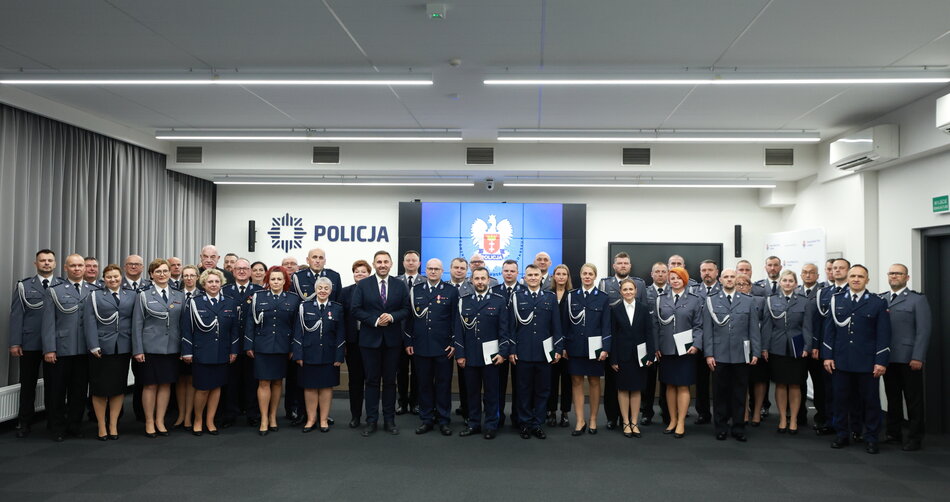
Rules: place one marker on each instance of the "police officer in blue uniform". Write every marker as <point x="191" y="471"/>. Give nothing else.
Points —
<point x="537" y="343"/>
<point x="731" y="345"/>
<point x="26" y="321"/>
<point x="587" y="326"/>
<point x="856" y="350"/>
<point x="241" y="392"/>
<point x="910" y="337"/>
<point x="318" y="347"/>
<point x="429" y="342"/>
<point x="407" y="382"/>
<point x="269" y="328"/>
<point x="66" y="372"/>
<point x="305" y="280"/>
<point x="210" y="342"/>
<point x="458" y="271"/>
<point x="481" y="338"/>
<point x="818" y="312"/>
<point x="508" y="286"/>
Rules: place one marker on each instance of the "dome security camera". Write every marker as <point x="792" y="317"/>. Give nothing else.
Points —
<point x="489" y="184"/>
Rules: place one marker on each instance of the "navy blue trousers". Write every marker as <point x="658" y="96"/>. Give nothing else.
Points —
<point x="857" y="399"/>
<point x="481" y="382"/>
<point x="380" y="366"/>
<point x="534" y="386"/>
<point x="435" y="388"/>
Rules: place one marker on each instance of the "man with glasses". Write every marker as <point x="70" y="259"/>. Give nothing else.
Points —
<point x="240" y="394"/>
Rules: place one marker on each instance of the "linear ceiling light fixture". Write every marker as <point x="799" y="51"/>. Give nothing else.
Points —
<point x="325" y="135"/>
<point x="544" y="184"/>
<point x="656" y="136"/>
<point x="193" y="79"/>
<point x="728" y="78"/>
<point x="349" y="183"/>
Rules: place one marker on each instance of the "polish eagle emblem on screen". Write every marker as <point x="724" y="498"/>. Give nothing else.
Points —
<point x="492" y="239"/>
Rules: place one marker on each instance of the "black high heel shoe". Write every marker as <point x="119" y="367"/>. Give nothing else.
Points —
<point x="625" y="433"/>
<point x="579" y="432"/>
<point x="634" y="430"/>
<point x="781" y="430"/>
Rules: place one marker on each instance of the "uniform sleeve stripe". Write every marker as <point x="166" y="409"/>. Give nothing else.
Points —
<point x="885" y="349"/>
<point x="826" y="345"/>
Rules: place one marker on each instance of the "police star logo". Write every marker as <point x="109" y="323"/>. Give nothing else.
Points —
<point x="286" y="232"/>
<point x="492" y="239"/>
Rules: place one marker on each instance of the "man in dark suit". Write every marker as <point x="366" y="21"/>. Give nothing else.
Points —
<point x="910" y="337"/>
<point x="856" y="350"/>
<point x="209" y="259"/>
<point x="407" y="381"/>
<point x="354" y="359"/>
<point x="381" y="304"/>
<point x="26" y="343"/>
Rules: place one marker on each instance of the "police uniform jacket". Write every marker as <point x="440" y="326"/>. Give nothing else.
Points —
<point x="109" y="326"/>
<point x="611" y="286"/>
<point x="243" y="304"/>
<point x="626" y="337"/>
<point x="156" y="324"/>
<point x="464" y="288"/>
<point x="502" y="289"/>
<point x="209" y="332"/>
<point x="351" y="324"/>
<point x="763" y="287"/>
<point x="478" y="322"/>
<point x="269" y="322"/>
<point x="368" y="306"/>
<point x="809" y="293"/>
<point x="817" y="312"/>
<point x="418" y="278"/>
<point x="304" y="283"/>
<point x="700" y="289"/>
<point x="585" y="318"/>
<point x="731" y="330"/>
<point x="784" y="321"/>
<point x="652" y="293"/>
<point x="26" y="312"/>
<point x="63" y="331"/>
<point x="672" y="318"/>
<point x="857" y="335"/>
<point x="910" y="326"/>
<point x="533" y="321"/>
<point x="143" y="284"/>
<point x="319" y="337"/>
<point x="430" y="322"/>
<point x="98" y="283"/>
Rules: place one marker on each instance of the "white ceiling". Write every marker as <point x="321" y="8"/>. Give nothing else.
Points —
<point x="489" y="36"/>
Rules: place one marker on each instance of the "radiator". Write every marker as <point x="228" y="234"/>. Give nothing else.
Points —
<point x="10" y="400"/>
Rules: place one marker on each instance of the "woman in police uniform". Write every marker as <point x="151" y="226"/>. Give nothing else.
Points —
<point x="269" y="329"/>
<point x="209" y="342"/>
<point x="156" y="340"/>
<point x="107" y="319"/>
<point x="678" y="311"/>
<point x="786" y="342"/>
<point x="586" y="319"/>
<point x="319" y="340"/>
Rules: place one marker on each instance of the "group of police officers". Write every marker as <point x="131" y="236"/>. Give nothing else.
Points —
<point x="404" y="335"/>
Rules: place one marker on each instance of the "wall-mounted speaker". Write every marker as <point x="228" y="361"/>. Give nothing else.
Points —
<point x="251" y="235"/>
<point x="738" y="243"/>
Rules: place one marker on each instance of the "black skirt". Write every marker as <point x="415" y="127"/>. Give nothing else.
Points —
<point x="209" y="376"/>
<point x="159" y="369"/>
<point x="109" y="374"/>
<point x="631" y="377"/>
<point x="270" y="366"/>
<point x="787" y="370"/>
<point x="761" y="372"/>
<point x="585" y="367"/>
<point x="184" y="369"/>
<point x="678" y="370"/>
<point x="318" y="376"/>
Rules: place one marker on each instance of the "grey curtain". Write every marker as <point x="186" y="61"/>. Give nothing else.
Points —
<point x="75" y="191"/>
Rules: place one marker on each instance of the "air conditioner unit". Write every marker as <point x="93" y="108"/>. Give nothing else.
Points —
<point x="943" y="114"/>
<point x="865" y="149"/>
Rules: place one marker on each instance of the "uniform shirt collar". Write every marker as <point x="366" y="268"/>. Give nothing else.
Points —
<point x="588" y="291"/>
<point x="534" y="291"/>
<point x="859" y="293"/>
<point x="41" y="278"/>
<point x="899" y="291"/>
<point x="215" y="298"/>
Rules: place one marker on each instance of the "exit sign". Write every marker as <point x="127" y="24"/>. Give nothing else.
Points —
<point x="941" y="204"/>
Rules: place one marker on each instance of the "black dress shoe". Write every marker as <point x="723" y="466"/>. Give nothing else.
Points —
<point x="592" y="430"/>
<point x="113" y="437"/>
<point x="792" y="432"/>
<point x="872" y="448"/>
<point x="424" y="428"/>
<point x="391" y="428"/>
<point x="59" y="438"/>
<point x="781" y="430"/>
<point x="325" y="429"/>
<point x="445" y="430"/>
<point x="164" y="434"/>
<point x="740" y="437"/>
<point x="305" y="430"/>
<point x="646" y="421"/>
<point x="402" y="410"/>
<point x="669" y="431"/>
<point x="678" y="435"/>
<point x="539" y="433"/>
<point x="839" y="443"/>
<point x="755" y="424"/>
<point x="330" y="421"/>
<point x="22" y="432"/>
<point x="273" y="428"/>
<point x="721" y="436"/>
<point x="579" y="432"/>
<point x="702" y="421"/>
<point x="611" y="425"/>
<point x="764" y="413"/>
<point x="825" y="431"/>
<point x="151" y="435"/>
<point x="490" y="434"/>
<point x="369" y="430"/>
<point x="564" y="422"/>
<point x="355" y="422"/>
<point x="213" y="432"/>
<point x="265" y="432"/>
<point x="195" y="432"/>
<point x="911" y="446"/>
<point x="253" y="422"/>
<point x="892" y="439"/>
<point x="857" y="438"/>
<point x="468" y="431"/>
<point x="415" y="410"/>
<point x="551" y="419"/>
<point x="103" y="438"/>
<point x="524" y="433"/>
<point x="297" y="421"/>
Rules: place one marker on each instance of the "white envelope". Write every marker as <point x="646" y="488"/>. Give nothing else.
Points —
<point x="594" y="346"/>
<point x="641" y="353"/>
<point x="683" y="341"/>
<point x="489" y="351"/>
<point x="747" y="348"/>
<point x="548" y="346"/>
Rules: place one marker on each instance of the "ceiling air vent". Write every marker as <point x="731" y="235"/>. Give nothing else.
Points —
<point x="326" y="155"/>
<point x="188" y="155"/>
<point x="636" y="156"/>
<point x="480" y="156"/>
<point x="780" y="156"/>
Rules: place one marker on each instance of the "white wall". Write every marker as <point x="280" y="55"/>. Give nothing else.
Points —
<point x="656" y="215"/>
